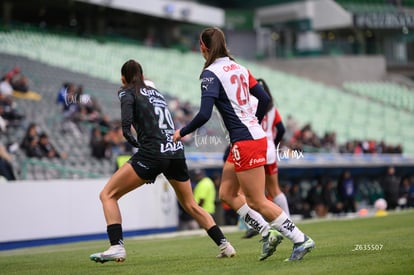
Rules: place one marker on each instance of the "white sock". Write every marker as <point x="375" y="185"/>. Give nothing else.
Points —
<point x="288" y="229"/>
<point x="253" y="219"/>
<point x="281" y="200"/>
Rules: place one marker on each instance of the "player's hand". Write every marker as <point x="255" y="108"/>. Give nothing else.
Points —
<point x="177" y="136"/>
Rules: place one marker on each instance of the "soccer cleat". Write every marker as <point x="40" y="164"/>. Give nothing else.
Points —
<point x="300" y="249"/>
<point x="115" y="253"/>
<point x="270" y="242"/>
<point x="226" y="250"/>
<point x="250" y="233"/>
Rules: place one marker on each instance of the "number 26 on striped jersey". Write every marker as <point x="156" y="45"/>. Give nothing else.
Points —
<point x="242" y="93"/>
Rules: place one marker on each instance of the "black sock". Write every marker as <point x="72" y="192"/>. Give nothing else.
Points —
<point x="216" y="235"/>
<point x="115" y="234"/>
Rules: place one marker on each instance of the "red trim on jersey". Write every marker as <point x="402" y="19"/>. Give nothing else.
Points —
<point x="278" y="117"/>
<point x="252" y="81"/>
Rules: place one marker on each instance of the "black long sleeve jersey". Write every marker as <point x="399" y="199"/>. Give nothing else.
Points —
<point x="147" y="111"/>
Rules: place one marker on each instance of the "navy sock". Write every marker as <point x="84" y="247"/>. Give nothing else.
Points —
<point x="216" y="235"/>
<point x="115" y="234"/>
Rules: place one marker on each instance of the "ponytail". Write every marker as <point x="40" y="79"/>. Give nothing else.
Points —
<point x="214" y="41"/>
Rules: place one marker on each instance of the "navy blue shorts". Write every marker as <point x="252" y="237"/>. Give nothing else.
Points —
<point x="149" y="169"/>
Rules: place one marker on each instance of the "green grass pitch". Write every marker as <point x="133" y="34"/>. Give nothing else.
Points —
<point x="371" y="245"/>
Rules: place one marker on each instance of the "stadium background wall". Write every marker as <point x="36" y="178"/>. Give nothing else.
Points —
<point x="60" y="211"/>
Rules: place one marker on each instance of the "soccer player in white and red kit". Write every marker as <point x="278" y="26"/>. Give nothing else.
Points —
<point x="273" y="126"/>
<point x="228" y="86"/>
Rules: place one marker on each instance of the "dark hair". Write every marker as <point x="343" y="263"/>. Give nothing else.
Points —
<point x="267" y="90"/>
<point x="214" y="40"/>
<point x="133" y="74"/>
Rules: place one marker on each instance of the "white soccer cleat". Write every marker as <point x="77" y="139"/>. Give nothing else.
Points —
<point x="226" y="250"/>
<point x="301" y="249"/>
<point x="115" y="253"/>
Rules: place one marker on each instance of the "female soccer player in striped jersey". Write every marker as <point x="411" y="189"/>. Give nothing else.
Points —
<point x="228" y="86"/>
<point x="273" y="126"/>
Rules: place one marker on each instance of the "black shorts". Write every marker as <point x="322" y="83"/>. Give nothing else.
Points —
<point x="149" y="169"/>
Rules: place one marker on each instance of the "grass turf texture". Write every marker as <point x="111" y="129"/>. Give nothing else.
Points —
<point x="335" y="253"/>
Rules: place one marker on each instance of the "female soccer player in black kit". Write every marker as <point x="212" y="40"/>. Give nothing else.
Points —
<point x="146" y="110"/>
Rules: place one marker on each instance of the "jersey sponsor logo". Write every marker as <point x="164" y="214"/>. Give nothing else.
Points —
<point x="157" y="101"/>
<point x="257" y="161"/>
<point x="151" y="92"/>
<point x="207" y="80"/>
<point x="171" y="147"/>
<point x="231" y="67"/>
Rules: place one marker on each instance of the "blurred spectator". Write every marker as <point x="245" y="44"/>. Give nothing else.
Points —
<point x="298" y="205"/>
<point x="315" y="199"/>
<point x="291" y="127"/>
<point x="61" y="98"/>
<point x="70" y="109"/>
<point x="3" y="122"/>
<point x="346" y="191"/>
<point x="6" y="168"/>
<point x="89" y="109"/>
<point x="31" y="134"/>
<point x="32" y="149"/>
<point x="78" y="108"/>
<point x="391" y="186"/>
<point x="205" y="191"/>
<point x="104" y="122"/>
<point x="38" y="145"/>
<point x="17" y="80"/>
<point x="6" y="88"/>
<point x="329" y="142"/>
<point x="330" y="198"/>
<point x="406" y="197"/>
<point x="8" y="110"/>
<point x="99" y="144"/>
<point x="117" y="141"/>
<point x="47" y="149"/>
